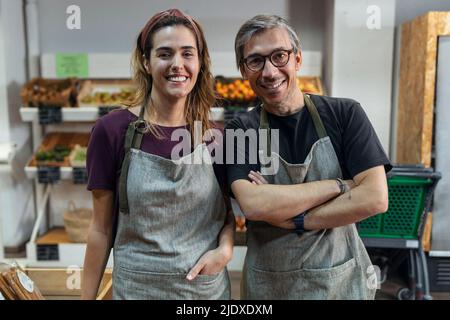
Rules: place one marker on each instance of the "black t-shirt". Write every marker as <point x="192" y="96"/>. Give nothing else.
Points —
<point x="354" y="140"/>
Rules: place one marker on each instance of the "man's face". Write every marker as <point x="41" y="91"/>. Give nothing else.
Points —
<point x="274" y="85"/>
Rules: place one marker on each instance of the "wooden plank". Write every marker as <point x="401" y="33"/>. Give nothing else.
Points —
<point x="410" y="106"/>
<point x="417" y="86"/>
<point x="426" y="237"/>
<point x="106" y="292"/>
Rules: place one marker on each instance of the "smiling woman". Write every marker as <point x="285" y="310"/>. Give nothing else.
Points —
<point x="172" y="47"/>
<point x="169" y="220"/>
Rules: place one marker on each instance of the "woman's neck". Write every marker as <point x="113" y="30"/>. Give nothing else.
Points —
<point x="166" y="112"/>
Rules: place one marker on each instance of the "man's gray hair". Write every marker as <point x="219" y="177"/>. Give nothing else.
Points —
<point x="258" y="24"/>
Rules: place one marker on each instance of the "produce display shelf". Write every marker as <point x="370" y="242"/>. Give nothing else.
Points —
<point x="66" y="172"/>
<point x="90" y="114"/>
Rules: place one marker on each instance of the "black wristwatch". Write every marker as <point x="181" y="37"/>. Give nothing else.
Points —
<point x="299" y="222"/>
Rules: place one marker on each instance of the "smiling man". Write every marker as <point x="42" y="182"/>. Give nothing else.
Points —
<point x="301" y="238"/>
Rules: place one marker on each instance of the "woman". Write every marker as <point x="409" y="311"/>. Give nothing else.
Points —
<point x="174" y="236"/>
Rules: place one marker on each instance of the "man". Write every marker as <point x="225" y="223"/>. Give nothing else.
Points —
<point x="301" y="237"/>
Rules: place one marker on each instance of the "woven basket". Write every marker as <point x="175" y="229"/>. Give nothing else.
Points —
<point x="76" y="222"/>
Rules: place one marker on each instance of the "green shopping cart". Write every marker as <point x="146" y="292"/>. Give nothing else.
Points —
<point x="401" y="227"/>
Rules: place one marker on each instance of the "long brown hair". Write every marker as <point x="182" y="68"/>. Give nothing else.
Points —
<point x="202" y="96"/>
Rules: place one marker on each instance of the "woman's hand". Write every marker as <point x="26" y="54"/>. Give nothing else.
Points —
<point x="257" y="178"/>
<point x="212" y="262"/>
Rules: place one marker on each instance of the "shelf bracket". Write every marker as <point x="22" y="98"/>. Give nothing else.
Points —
<point x="40" y="212"/>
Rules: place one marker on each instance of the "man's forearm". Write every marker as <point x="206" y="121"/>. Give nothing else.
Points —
<point x="358" y="204"/>
<point x="282" y="202"/>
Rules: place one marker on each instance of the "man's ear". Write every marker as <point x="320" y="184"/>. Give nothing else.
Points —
<point x="298" y="60"/>
<point x="243" y="72"/>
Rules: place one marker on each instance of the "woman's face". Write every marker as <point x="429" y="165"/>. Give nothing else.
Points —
<point x="174" y="62"/>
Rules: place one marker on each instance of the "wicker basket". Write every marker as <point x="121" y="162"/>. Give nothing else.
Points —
<point x="76" y="222"/>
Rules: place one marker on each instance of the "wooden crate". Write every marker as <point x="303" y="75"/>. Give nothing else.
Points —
<point x="62" y="138"/>
<point x="311" y="85"/>
<point x="49" y="93"/>
<point x="89" y="95"/>
<point x="52" y="282"/>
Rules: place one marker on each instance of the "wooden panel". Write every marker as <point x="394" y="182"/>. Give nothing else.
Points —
<point x="52" y="282"/>
<point x="426" y="237"/>
<point x="417" y="86"/>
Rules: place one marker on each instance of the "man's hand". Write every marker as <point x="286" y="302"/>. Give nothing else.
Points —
<point x="257" y="178"/>
<point x="212" y="262"/>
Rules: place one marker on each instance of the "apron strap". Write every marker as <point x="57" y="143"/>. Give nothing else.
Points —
<point x="318" y="124"/>
<point x="133" y="139"/>
<point x="264" y="124"/>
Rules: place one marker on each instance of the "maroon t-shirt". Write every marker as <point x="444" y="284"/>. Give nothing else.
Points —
<point x="106" y="151"/>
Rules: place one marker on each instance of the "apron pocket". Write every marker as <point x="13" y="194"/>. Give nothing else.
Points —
<point x="340" y="282"/>
<point x="143" y="285"/>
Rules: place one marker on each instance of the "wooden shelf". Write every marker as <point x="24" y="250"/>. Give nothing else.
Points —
<point x="90" y="114"/>
<point x="54" y="236"/>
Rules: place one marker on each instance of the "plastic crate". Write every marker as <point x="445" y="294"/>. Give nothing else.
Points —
<point x="406" y="206"/>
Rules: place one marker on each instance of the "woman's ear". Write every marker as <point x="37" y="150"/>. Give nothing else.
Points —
<point x="147" y="66"/>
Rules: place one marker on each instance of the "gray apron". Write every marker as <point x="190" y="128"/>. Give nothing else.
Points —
<point x="320" y="264"/>
<point x="170" y="215"/>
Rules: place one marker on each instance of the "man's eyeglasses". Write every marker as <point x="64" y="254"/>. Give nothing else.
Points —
<point x="279" y="58"/>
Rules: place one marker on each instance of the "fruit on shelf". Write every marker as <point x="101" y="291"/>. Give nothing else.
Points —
<point x="309" y="85"/>
<point x="109" y="98"/>
<point x="78" y="156"/>
<point x="239" y="90"/>
<point x="236" y="90"/>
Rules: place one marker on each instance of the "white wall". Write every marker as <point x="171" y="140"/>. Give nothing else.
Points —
<point x="15" y="190"/>
<point x="308" y="19"/>
<point x="4" y="134"/>
<point x="113" y="25"/>
<point x="362" y="60"/>
<point x="409" y="9"/>
<point x="328" y="45"/>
